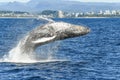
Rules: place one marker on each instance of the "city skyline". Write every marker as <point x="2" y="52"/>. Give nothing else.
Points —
<point x="70" y="0"/>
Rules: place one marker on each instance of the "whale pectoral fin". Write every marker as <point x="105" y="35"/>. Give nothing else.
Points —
<point x="43" y="40"/>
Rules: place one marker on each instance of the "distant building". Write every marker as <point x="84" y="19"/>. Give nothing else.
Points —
<point x="100" y="12"/>
<point x="90" y="13"/>
<point x="113" y="12"/>
<point x="118" y="12"/>
<point x="81" y="13"/>
<point x="77" y="14"/>
<point x="60" y="14"/>
<point x="107" y="12"/>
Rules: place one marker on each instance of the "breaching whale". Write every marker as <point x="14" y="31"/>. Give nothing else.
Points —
<point x="50" y="32"/>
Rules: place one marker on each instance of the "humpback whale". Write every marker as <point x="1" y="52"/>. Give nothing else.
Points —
<point x="50" y="32"/>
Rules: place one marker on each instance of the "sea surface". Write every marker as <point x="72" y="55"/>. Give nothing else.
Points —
<point x="95" y="56"/>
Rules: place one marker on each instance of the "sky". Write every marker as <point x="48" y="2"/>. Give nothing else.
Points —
<point x="99" y="0"/>
<point x="72" y="0"/>
<point x="14" y="0"/>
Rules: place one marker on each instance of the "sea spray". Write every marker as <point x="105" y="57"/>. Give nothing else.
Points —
<point x="45" y="19"/>
<point x="48" y="51"/>
<point x="16" y="54"/>
<point x="43" y="54"/>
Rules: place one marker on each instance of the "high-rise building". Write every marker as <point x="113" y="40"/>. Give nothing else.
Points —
<point x="60" y="14"/>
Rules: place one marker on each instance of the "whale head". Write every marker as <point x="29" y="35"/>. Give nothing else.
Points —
<point x="50" y="32"/>
<point x="66" y="30"/>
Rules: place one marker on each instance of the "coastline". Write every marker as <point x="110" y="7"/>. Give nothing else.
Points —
<point x="56" y="17"/>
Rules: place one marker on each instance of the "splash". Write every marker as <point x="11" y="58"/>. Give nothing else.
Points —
<point x="16" y="54"/>
<point x="42" y="55"/>
<point x="46" y="19"/>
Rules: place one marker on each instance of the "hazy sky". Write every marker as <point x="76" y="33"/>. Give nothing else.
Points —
<point x="13" y="0"/>
<point x="72" y="0"/>
<point x="99" y="0"/>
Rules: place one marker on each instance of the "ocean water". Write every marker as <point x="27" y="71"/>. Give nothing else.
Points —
<point x="95" y="56"/>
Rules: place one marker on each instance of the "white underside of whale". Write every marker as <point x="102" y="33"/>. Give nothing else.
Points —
<point x="45" y="39"/>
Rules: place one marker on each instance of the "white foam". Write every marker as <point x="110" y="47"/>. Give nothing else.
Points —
<point x="32" y="61"/>
<point x="16" y="56"/>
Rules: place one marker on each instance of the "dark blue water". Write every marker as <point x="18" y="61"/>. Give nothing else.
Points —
<point x="95" y="56"/>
